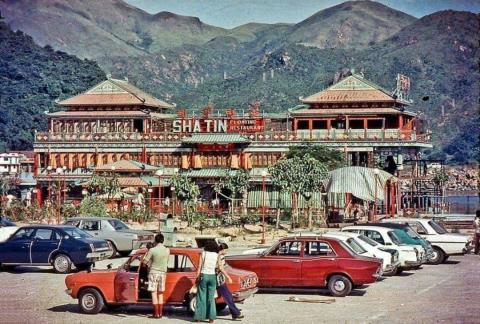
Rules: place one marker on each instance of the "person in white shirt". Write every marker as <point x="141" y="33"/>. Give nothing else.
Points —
<point x="207" y="284"/>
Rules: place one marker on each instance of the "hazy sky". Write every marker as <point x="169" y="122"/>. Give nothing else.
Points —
<point x="232" y="13"/>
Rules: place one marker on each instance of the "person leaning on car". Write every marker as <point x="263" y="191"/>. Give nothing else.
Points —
<point x="476" y="238"/>
<point x="157" y="260"/>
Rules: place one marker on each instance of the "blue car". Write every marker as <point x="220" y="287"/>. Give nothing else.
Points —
<point x="59" y="246"/>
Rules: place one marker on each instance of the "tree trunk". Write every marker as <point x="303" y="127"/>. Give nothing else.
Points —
<point x="277" y="223"/>
<point x="245" y="202"/>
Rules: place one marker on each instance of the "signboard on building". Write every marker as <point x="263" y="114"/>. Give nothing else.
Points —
<point x="220" y="125"/>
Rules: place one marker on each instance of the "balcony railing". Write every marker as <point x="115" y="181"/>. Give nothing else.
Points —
<point x="333" y="135"/>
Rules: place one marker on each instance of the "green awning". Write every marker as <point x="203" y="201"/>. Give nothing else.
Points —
<point x="207" y="172"/>
<point x="153" y="181"/>
<point x="215" y="139"/>
<point x="275" y="199"/>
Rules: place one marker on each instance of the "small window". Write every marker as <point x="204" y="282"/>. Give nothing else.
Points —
<point x="376" y="236"/>
<point x="23" y="234"/>
<point x="72" y="223"/>
<point x="418" y="228"/>
<point x="43" y="234"/>
<point x="180" y="263"/>
<point x="290" y="248"/>
<point x="88" y="225"/>
<point x="134" y="264"/>
<point x="318" y="249"/>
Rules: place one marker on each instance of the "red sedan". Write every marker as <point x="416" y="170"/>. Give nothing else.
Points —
<point x="310" y="261"/>
<point x="128" y="284"/>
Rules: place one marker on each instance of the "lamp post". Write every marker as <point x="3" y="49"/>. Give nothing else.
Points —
<point x="49" y="175"/>
<point x="264" y="175"/>
<point x="174" y="206"/>
<point x="59" y="172"/>
<point x="159" y="173"/>
<point x="149" y="190"/>
<point x="112" y="181"/>
<point x="375" y="172"/>
<point x="64" y="184"/>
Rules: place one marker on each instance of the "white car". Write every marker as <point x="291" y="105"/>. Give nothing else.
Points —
<point x="7" y="228"/>
<point x="364" y="246"/>
<point x="410" y="256"/>
<point x="444" y="244"/>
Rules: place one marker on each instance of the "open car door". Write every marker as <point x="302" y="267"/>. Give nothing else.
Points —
<point x="126" y="281"/>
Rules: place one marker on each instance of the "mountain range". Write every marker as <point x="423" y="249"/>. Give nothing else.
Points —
<point x="183" y="60"/>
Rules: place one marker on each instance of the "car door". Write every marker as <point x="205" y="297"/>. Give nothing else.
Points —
<point x="181" y="274"/>
<point x="282" y="266"/>
<point x="127" y="281"/>
<point x="45" y="241"/>
<point x="92" y="227"/>
<point x="17" y="248"/>
<point x="319" y="260"/>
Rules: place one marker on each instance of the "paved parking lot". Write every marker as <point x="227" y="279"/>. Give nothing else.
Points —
<point x="447" y="293"/>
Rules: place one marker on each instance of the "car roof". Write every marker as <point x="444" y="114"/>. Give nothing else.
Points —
<point x="365" y="226"/>
<point x="341" y="234"/>
<point x="90" y="218"/>
<point x="392" y="225"/>
<point x="308" y="236"/>
<point x="404" y="219"/>
<point x="47" y="226"/>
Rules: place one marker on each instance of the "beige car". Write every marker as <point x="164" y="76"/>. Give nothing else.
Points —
<point x="122" y="238"/>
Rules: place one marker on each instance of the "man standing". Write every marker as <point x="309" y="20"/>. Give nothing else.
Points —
<point x="156" y="260"/>
<point x="476" y="226"/>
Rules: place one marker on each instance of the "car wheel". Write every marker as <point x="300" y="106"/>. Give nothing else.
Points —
<point x="125" y="253"/>
<point x="339" y="286"/>
<point x="62" y="263"/>
<point x="83" y="266"/>
<point x="90" y="301"/>
<point x="438" y="256"/>
<point x="220" y="307"/>
<point x="114" y="250"/>
<point x="191" y="303"/>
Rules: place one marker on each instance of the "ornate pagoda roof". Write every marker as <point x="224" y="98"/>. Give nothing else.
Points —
<point x="353" y="88"/>
<point x="126" y="166"/>
<point x="115" y="92"/>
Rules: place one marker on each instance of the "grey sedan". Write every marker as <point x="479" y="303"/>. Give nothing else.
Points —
<point x="122" y="238"/>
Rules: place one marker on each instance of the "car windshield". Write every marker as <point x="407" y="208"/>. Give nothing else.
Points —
<point x="118" y="225"/>
<point x="395" y="239"/>
<point x="412" y="233"/>
<point x="368" y="240"/>
<point x="76" y="233"/>
<point x="404" y="237"/>
<point x="355" y="246"/>
<point x="437" y="227"/>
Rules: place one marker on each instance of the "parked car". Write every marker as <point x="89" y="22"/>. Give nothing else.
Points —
<point x="409" y="236"/>
<point x="362" y="245"/>
<point x="128" y="284"/>
<point x="58" y="246"/>
<point x="7" y="228"/>
<point x="122" y="238"/>
<point x="310" y="261"/>
<point x="444" y="244"/>
<point x="410" y="256"/>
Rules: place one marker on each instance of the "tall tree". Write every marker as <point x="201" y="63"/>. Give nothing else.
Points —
<point x="236" y="182"/>
<point x="302" y="175"/>
<point x="332" y="159"/>
<point x="187" y="192"/>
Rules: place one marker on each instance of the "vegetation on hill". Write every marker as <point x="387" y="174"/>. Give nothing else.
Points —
<point x="32" y="78"/>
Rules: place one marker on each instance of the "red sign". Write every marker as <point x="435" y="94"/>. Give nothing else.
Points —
<point x="245" y="125"/>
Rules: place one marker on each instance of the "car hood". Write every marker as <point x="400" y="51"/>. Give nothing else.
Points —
<point x="238" y="272"/>
<point x="92" y="277"/>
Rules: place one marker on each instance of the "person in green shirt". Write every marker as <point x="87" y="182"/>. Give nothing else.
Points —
<point x="156" y="259"/>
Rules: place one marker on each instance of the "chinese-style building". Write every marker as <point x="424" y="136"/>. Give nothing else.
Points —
<point x="116" y="121"/>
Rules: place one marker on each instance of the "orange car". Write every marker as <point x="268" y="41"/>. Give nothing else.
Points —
<point x="128" y="284"/>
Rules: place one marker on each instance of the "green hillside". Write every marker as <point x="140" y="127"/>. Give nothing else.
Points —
<point x="31" y="79"/>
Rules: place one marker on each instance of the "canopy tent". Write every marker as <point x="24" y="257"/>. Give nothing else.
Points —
<point x="360" y="182"/>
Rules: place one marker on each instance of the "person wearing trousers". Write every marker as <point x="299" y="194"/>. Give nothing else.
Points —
<point x="207" y="284"/>
<point x="222" y="277"/>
